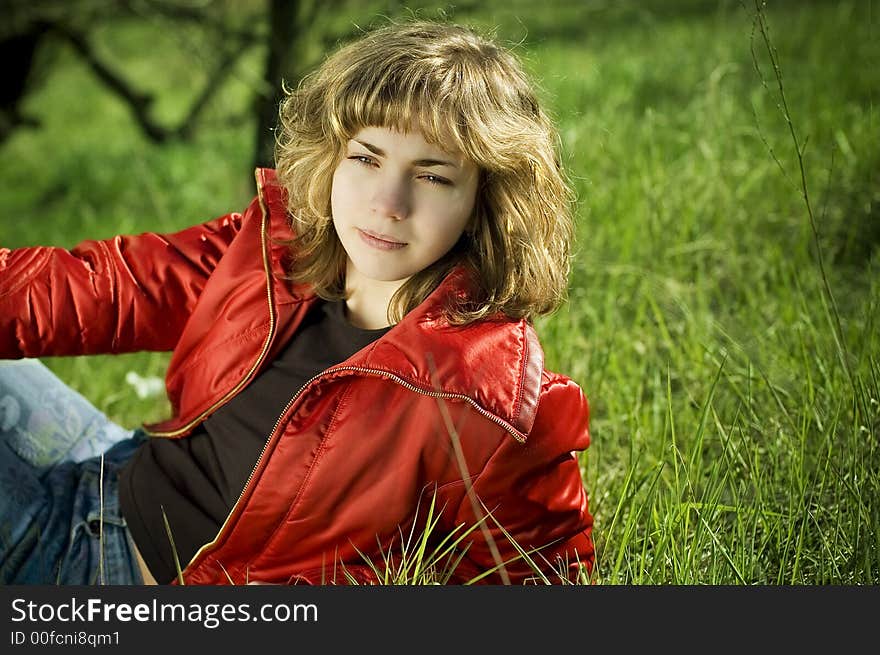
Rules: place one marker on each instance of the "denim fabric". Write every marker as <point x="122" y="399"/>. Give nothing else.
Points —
<point x="60" y="521"/>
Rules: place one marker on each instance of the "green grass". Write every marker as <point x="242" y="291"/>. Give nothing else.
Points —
<point x="730" y="443"/>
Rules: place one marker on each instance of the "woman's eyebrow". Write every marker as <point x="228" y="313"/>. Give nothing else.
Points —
<point x="376" y="150"/>
<point x="435" y="162"/>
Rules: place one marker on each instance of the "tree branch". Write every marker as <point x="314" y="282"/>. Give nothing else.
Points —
<point x="140" y="102"/>
<point x="212" y="84"/>
<point x="137" y="101"/>
<point x="200" y="17"/>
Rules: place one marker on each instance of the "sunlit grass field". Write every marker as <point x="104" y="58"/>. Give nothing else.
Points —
<point x="735" y="416"/>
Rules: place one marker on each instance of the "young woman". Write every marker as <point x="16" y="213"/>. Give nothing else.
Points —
<point x="354" y="363"/>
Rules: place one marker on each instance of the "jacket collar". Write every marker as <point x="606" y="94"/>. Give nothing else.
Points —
<point x="496" y="364"/>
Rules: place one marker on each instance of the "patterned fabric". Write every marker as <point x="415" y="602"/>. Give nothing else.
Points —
<point x="57" y="524"/>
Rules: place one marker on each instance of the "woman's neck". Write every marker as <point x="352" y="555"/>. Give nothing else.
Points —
<point x="367" y="300"/>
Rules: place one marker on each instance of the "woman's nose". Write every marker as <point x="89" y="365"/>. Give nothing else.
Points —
<point x="391" y="199"/>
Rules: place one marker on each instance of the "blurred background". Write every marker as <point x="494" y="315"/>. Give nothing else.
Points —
<point x="724" y="299"/>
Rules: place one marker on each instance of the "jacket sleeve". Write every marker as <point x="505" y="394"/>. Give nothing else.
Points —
<point x="123" y="294"/>
<point x="531" y="502"/>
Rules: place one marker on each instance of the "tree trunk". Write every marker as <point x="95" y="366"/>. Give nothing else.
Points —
<point x="281" y="63"/>
<point x="17" y="54"/>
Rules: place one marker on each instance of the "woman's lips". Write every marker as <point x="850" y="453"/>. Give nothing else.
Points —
<point x="380" y="241"/>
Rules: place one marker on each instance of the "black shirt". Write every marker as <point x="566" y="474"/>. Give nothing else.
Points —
<point x="197" y="480"/>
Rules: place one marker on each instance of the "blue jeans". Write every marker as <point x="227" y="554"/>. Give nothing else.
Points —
<point x="60" y="521"/>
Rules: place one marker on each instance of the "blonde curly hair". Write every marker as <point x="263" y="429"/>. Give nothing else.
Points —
<point x="464" y="92"/>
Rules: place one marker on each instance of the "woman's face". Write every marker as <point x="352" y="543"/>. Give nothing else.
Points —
<point x="399" y="203"/>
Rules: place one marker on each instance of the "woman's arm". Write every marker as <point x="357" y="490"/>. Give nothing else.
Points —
<point x="123" y="294"/>
<point x="531" y="499"/>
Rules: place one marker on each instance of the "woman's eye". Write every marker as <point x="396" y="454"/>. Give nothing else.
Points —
<point x="363" y="159"/>
<point x="436" y="179"/>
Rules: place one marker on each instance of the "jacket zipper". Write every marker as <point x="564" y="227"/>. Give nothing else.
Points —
<point x="445" y="395"/>
<point x="265" y="349"/>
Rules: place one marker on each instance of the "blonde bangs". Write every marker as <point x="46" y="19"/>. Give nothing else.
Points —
<point x="404" y="98"/>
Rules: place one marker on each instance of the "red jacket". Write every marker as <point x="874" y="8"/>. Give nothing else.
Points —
<point x="349" y="474"/>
